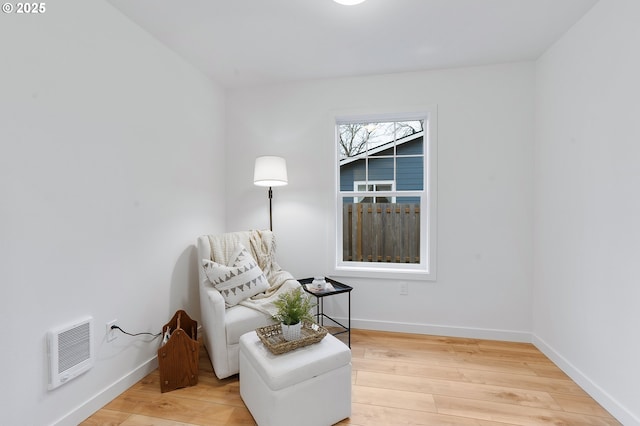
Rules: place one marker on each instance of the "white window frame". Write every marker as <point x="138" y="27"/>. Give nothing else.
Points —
<point x="426" y="269"/>
<point x="356" y="183"/>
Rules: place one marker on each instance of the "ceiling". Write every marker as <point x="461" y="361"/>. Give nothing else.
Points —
<point x="241" y="43"/>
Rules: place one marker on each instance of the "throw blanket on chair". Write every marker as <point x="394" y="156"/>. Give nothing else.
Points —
<point x="263" y="249"/>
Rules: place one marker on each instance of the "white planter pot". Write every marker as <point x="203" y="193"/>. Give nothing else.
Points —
<point x="291" y="332"/>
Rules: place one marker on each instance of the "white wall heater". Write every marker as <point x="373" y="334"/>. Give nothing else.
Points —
<point x="70" y="351"/>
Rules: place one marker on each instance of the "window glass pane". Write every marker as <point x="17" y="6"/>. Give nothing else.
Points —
<point x="406" y="128"/>
<point x="379" y="199"/>
<point x="381" y="136"/>
<point x="412" y="145"/>
<point x="380" y="169"/>
<point x="381" y="232"/>
<point x="352" y="139"/>
<point x="408" y="200"/>
<point x="409" y="174"/>
<point x="351" y="171"/>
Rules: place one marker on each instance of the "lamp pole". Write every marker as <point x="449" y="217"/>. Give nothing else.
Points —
<point x="270" y="210"/>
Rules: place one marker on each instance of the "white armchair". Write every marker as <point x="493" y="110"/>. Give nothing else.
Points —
<point x="222" y="326"/>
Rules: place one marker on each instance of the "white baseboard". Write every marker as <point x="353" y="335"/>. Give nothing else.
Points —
<point x="440" y="330"/>
<point x="108" y="394"/>
<point x="617" y="410"/>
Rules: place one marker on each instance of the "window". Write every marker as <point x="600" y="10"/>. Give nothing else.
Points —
<point x="385" y="195"/>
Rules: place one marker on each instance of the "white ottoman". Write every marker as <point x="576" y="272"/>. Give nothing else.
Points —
<point x="307" y="386"/>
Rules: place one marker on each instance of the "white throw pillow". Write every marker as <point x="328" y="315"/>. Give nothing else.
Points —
<point x="239" y="280"/>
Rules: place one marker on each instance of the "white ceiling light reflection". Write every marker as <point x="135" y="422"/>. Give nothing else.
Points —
<point x="348" y="2"/>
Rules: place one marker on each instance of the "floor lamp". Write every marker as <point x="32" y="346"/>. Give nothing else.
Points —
<point x="270" y="171"/>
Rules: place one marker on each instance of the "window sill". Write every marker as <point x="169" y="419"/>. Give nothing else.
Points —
<point x="388" y="272"/>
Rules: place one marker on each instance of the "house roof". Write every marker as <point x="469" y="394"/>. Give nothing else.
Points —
<point x="384" y="146"/>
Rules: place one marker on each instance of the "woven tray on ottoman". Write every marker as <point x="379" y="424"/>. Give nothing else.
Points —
<point x="271" y="337"/>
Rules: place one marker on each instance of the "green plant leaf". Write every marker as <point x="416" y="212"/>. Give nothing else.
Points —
<point x="293" y="307"/>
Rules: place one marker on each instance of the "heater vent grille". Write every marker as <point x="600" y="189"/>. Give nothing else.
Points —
<point x="74" y="347"/>
<point x="70" y="351"/>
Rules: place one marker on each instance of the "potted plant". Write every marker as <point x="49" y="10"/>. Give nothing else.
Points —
<point x="294" y="307"/>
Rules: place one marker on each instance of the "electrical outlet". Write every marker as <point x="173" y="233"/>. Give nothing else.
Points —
<point x="404" y="288"/>
<point x="111" y="333"/>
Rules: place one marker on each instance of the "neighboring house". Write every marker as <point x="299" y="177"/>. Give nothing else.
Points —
<point x="409" y="171"/>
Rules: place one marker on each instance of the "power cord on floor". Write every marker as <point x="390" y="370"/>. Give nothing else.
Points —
<point x="115" y="327"/>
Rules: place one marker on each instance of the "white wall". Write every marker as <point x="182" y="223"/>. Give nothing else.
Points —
<point x="485" y="125"/>
<point x="587" y="178"/>
<point x="111" y="166"/>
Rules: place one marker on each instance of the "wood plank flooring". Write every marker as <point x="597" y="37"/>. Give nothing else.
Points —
<point x="398" y="379"/>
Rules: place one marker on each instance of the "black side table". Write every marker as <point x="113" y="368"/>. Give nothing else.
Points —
<point x="321" y="294"/>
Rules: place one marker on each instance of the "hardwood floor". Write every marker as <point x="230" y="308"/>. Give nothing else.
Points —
<point x="398" y="379"/>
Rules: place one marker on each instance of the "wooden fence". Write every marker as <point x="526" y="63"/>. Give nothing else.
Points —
<point x="381" y="232"/>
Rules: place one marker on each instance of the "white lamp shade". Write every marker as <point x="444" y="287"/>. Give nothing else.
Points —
<point x="270" y="171"/>
<point x="349" y="2"/>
